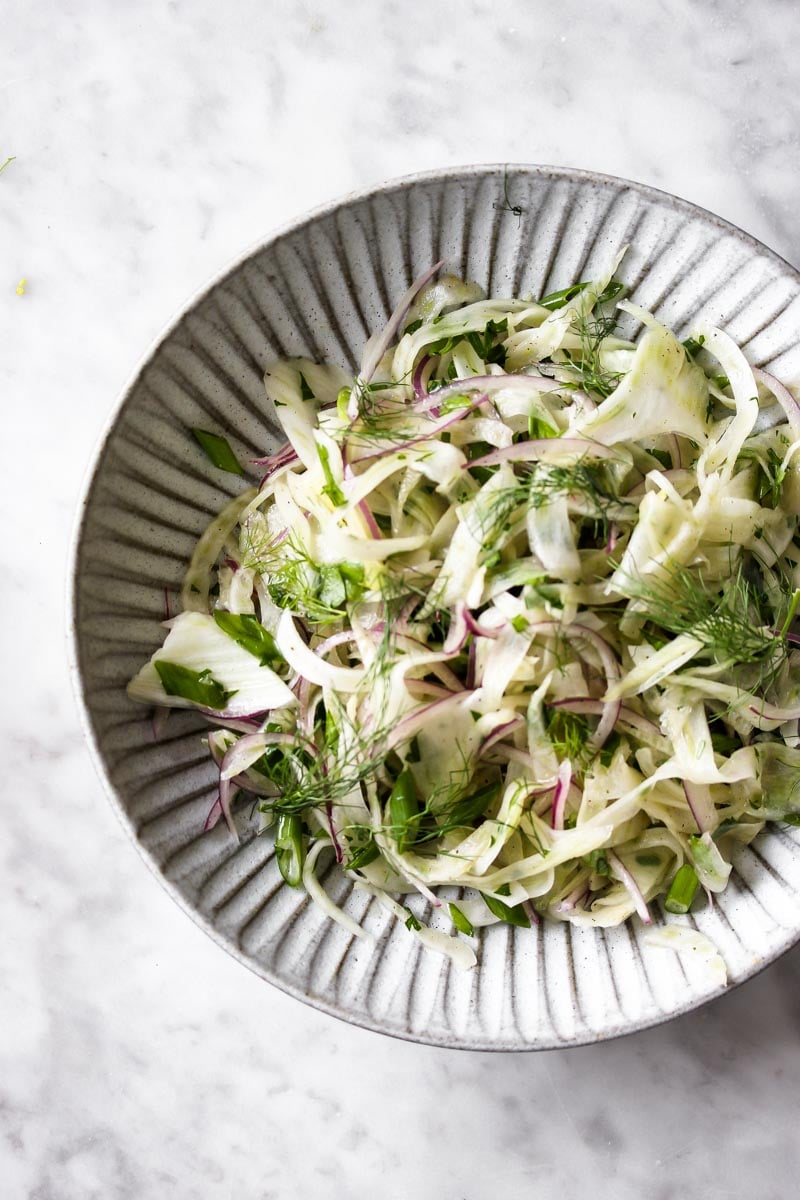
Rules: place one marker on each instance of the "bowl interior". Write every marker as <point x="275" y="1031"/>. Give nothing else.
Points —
<point x="319" y="289"/>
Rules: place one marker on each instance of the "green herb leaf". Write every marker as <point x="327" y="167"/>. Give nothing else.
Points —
<point x="484" y="344"/>
<point x="411" y="921"/>
<point x="290" y="848"/>
<point x="554" y="300"/>
<point x="540" y="429"/>
<point x="469" y="808"/>
<point x="568" y="732"/>
<point x="250" y="634"/>
<point x="724" y="827"/>
<point x="343" y="402"/>
<point x="404" y="810"/>
<point x="682" y="890"/>
<point x="693" y="346"/>
<point x="724" y="743"/>
<point x="607" y="752"/>
<point x="197" y="686"/>
<point x="452" y="403"/>
<point x="219" y="451"/>
<point x="413" y="754"/>
<point x="511" y="916"/>
<point x="610" y="292"/>
<point x="587" y="364"/>
<point x="727" y="616"/>
<point x="362" y="856"/>
<point x="558" y="299"/>
<point x="461" y="922"/>
<point x="597" y="862"/>
<point x="331" y="591"/>
<point x="331" y="488"/>
<point x="7" y="163"/>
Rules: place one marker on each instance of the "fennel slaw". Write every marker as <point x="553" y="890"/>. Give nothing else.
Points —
<point x="508" y="621"/>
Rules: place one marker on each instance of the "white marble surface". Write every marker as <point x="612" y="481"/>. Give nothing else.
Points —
<point x="154" y="141"/>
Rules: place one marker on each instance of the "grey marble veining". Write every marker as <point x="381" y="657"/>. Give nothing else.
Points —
<point x="153" y="142"/>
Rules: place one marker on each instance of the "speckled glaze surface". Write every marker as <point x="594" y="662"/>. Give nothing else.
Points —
<point x="319" y="288"/>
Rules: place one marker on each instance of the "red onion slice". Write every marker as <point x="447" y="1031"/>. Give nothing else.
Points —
<point x="771" y="712"/>
<point x="245" y="724"/>
<point x="458" y="632"/>
<point x="286" y="451"/>
<point x="478" y="630"/>
<point x="370" y="522"/>
<point x="488" y="383"/>
<point x="227" y="791"/>
<point x="158" y="722"/>
<point x="378" y="344"/>
<point x="362" y="506"/>
<point x="611" y="669"/>
<point x="784" y="397"/>
<point x="446" y="676"/>
<point x="336" y="639"/>
<point x="246" y="750"/>
<point x="419" y="382"/>
<point x="236" y="759"/>
<point x="337" y="849"/>
<point x="500" y="732"/>
<point x="701" y="806"/>
<point x="563" y="780"/>
<point x="408" y="725"/>
<point x="514" y="754"/>
<point x="425" y="687"/>
<point x="541" y="449"/>
<point x="627" y="716"/>
<point x="631" y="886"/>
<point x="281" y="461"/>
<point x="676" y="453"/>
<point x="573" y="899"/>
<point x="214" y="816"/>
<point x="401" y="620"/>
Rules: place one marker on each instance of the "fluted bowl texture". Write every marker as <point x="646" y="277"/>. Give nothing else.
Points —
<point x="319" y="288"/>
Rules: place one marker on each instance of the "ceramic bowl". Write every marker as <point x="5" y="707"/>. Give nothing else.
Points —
<point x="319" y="288"/>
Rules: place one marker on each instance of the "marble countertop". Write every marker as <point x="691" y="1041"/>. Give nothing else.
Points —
<point x="153" y="142"/>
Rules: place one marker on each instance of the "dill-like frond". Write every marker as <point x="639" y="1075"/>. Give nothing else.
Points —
<point x="378" y="413"/>
<point x="318" y="593"/>
<point x="772" y="473"/>
<point x="587" y="369"/>
<point x="568" y="733"/>
<point x="733" y="620"/>
<point x="542" y="482"/>
<point x="311" y="777"/>
<point x="546" y="480"/>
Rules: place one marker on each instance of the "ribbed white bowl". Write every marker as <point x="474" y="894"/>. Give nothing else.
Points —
<point x="319" y="288"/>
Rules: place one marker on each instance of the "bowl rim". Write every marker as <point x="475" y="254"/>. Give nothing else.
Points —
<point x="86" y="491"/>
